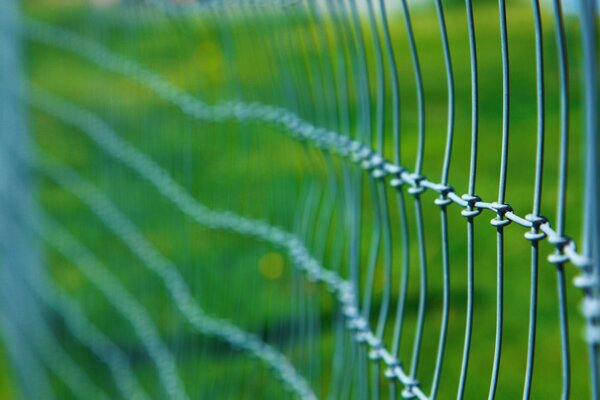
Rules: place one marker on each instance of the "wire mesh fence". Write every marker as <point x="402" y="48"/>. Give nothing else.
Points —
<point x="306" y="199"/>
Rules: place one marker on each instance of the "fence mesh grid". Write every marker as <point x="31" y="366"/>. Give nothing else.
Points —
<point x="268" y="199"/>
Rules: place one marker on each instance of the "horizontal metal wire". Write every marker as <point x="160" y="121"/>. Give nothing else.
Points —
<point x="352" y="151"/>
<point x="173" y="281"/>
<point x="357" y="155"/>
<point x="98" y="131"/>
<point x="87" y="333"/>
<point x="53" y="356"/>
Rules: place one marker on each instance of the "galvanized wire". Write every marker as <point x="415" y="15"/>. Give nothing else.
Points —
<point x="589" y="281"/>
<point x="443" y="201"/>
<point x="534" y="235"/>
<point x="293" y="124"/>
<point x="56" y="359"/>
<point x="470" y="199"/>
<point x="222" y="220"/>
<point x="561" y="195"/>
<point x="500" y="222"/>
<point x="312" y="105"/>
<point x="120" y="299"/>
<point x="333" y="141"/>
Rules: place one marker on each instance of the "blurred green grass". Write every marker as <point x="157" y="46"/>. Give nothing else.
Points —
<point x="255" y="170"/>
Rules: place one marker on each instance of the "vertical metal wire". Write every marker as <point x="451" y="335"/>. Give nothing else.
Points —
<point x="360" y="125"/>
<point x="336" y="47"/>
<point x="378" y="175"/>
<point x="561" y="195"/>
<point x="262" y="32"/>
<point x="416" y="191"/>
<point x="343" y="58"/>
<point x="379" y="201"/>
<point x="313" y="68"/>
<point x="17" y="188"/>
<point x="294" y="43"/>
<point x="395" y="108"/>
<point x="320" y="42"/>
<point x="499" y="222"/>
<point x="405" y="270"/>
<point x="398" y="184"/>
<point x="364" y="129"/>
<point x="419" y="84"/>
<point x="422" y="288"/>
<point x="294" y="92"/>
<point x="375" y="137"/>
<point x="322" y="101"/>
<point x="293" y="98"/>
<point x="316" y="99"/>
<point x="395" y="85"/>
<point x="347" y="69"/>
<point x="470" y="212"/>
<point x="315" y="221"/>
<point x="305" y="95"/>
<point x="443" y="201"/>
<point x="386" y="228"/>
<point x="534" y="235"/>
<point x="374" y="249"/>
<point x="328" y="216"/>
<point x="591" y="223"/>
<point x="362" y="72"/>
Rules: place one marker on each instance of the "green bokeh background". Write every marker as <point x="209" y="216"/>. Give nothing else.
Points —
<point x="256" y="170"/>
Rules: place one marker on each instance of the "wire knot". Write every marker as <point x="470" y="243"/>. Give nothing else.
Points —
<point x="592" y="334"/>
<point x="370" y="159"/>
<point x="357" y="324"/>
<point x="375" y="353"/>
<point x="415" y="184"/>
<point x="341" y="144"/>
<point x="590" y="308"/>
<point x="351" y="313"/>
<point x="585" y="281"/>
<point x="345" y="146"/>
<point x="408" y="393"/>
<point x="307" y="131"/>
<point x="536" y="221"/>
<point x="398" y="181"/>
<point x="558" y="258"/>
<point x="559" y="241"/>
<point x="363" y="154"/>
<point x="443" y="190"/>
<point x="500" y="209"/>
<point x="375" y="163"/>
<point x="320" y="140"/>
<point x="357" y="151"/>
<point x="472" y="210"/>
<point x="329" y="140"/>
<point x="362" y="330"/>
<point x="392" y="168"/>
<point x="390" y="372"/>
